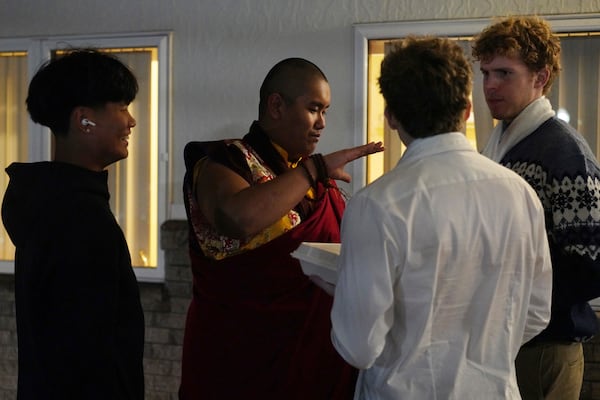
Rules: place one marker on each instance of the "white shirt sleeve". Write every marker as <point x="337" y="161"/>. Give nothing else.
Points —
<point x="362" y="312"/>
<point x="538" y="315"/>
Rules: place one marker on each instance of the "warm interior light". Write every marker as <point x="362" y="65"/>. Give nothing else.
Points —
<point x="378" y="164"/>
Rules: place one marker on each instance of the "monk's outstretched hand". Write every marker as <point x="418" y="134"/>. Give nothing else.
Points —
<point x="337" y="160"/>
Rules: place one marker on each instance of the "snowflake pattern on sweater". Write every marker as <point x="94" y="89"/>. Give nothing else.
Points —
<point x="560" y="166"/>
<point x="574" y="203"/>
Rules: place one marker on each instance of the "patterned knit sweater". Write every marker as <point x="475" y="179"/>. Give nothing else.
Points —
<point x="559" y="165"/>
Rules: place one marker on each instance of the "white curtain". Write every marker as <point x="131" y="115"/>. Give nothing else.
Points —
<point x="131" y="180"/>
<point x="13" y="126"/>
<point x="575" y="93"/>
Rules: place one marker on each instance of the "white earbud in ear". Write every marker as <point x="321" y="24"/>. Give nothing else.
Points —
<point x="86" y="122"/>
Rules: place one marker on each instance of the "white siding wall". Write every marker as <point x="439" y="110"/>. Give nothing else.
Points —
<point x="223" y="48"/>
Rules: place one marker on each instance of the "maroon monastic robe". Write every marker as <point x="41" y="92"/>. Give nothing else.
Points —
<point x="257" y="327"/>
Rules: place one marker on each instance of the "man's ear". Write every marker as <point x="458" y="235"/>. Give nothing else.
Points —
<point x="275" y="103"/>
<point x="542" y="77"/>
<point x="468" y="110"/>
<point x="77" y="116"/>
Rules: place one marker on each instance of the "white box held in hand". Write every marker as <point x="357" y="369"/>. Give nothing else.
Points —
<point x="319" y="259"/>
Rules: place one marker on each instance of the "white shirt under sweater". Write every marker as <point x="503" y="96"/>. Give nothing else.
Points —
<point x="444" y="273"/>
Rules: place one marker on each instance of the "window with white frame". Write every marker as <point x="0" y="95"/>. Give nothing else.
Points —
<point x="574" y="94"/>
<point x="137" y="184"/>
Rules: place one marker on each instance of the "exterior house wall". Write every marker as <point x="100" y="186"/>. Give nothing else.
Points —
<point x="223" y="49"/>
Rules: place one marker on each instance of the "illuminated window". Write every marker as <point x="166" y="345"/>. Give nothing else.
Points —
<point x="574" y="94"/>
<point x="138" y="183"/>
<point x="377" y="129"/>
<point x="13" y="122"/>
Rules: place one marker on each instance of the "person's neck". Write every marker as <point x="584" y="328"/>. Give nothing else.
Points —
<point x="66" y="152"/>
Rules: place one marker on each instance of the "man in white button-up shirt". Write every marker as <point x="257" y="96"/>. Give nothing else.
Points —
<point x="444" y="267"/>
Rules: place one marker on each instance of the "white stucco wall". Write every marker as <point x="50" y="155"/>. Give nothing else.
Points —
<point x="223" y="48"/>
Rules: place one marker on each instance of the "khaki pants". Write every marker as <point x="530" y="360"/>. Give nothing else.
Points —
<point x="550" y="371"/>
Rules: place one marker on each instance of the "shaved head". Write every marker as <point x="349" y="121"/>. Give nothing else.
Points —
<point x="289" y="78"/>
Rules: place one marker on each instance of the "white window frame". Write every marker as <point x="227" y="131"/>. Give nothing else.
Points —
<point x="391" y="30"/>
<point x="39" y="137"/>
<point x="459" y="27"/>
